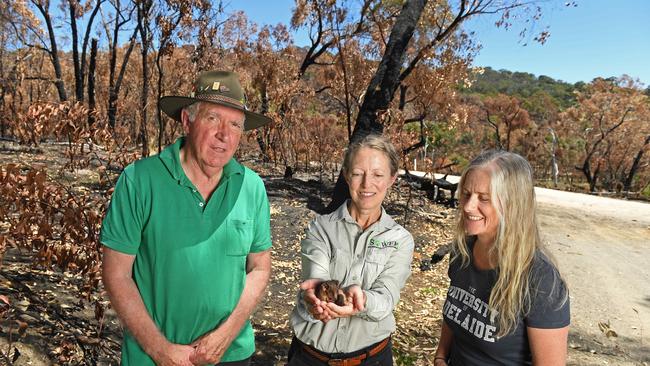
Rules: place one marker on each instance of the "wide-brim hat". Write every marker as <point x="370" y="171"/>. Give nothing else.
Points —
<point x="219" y="87"/>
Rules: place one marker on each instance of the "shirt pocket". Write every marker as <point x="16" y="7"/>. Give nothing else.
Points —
<point x="239" y="236"/>
<point x="376" y="259"/>
<point x="339" y="264"/>
<point x="378" y="256"/>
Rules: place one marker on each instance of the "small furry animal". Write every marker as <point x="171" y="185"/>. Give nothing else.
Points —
<point x="330" y="291"/>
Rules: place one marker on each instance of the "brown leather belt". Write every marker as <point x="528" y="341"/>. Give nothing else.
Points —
<point x="352" y="361"/>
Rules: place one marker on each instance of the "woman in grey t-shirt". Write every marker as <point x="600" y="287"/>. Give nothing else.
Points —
<point x="507" y="303"/>
<point x="370" y="255"/>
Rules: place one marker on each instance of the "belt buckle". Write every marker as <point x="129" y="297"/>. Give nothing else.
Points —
<point x="337" y="362"/>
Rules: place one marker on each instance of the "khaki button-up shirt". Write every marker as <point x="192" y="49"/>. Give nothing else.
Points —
<point x="377" y="259"/>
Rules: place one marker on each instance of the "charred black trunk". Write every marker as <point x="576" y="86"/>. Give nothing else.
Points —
<point x="382" y="87"/>
<point x="91" y="82"/>
<point x="627" y="184"/>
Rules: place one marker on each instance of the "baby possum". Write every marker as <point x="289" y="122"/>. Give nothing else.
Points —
<point x="330" y="291"/>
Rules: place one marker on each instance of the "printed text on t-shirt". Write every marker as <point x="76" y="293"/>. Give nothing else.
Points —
<point x="471" y="313"/>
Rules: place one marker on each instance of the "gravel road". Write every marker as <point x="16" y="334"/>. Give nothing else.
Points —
<point x="602" y="246"/>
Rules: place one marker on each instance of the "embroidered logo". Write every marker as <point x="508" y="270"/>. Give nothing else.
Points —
<point x="383" y="243"/>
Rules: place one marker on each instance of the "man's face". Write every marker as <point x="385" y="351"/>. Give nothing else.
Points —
<point x="214" y="135"/>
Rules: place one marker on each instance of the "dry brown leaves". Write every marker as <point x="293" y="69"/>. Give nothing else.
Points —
<point x="47" y="315"/>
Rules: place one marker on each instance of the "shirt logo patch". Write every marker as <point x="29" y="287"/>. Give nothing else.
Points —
<point x="383" y="244"/>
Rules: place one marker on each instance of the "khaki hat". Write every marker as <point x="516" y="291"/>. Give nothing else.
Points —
<point x="219" y="87"/>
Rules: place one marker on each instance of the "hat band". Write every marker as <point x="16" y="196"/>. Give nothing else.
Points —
<point x="221" y="98"/>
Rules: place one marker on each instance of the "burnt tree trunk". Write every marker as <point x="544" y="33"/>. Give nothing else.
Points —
<point x="382" y="87"/>
<point x="159" y="116"/>
<point x="144" y="9"/>
<point x="591" y="151"/>
<point x="114" y="83"/>
<point x="79" y="62"/>
<point x="3" y="119"/>
<point x="3" y="90"/>
<point x="555" y="170"/>
<point x="84" y="46"/>
<point x="264" y="147"/>
<point x="346" y="89"/>
<point x="162" y="51"/>
<point x="78" y="78"/>
<point x="591" y="178"/>
<point x="53" y="51"/>
<point x="91" y="82"/>
<point x="627" y="184"/>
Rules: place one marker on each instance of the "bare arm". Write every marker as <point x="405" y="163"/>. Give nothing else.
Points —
<point x="211" y="346"/>
<point x="548" y="346"/>
<point x="127" y="302"/>
<point x="444" y="345"/>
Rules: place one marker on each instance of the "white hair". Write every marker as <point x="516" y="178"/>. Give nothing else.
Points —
<point x="192" y="110"/>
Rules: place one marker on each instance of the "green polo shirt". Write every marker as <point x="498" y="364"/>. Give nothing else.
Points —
<point x="190" y="255"/>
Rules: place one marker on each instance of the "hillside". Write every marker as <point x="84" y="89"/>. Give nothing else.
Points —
<point x="524" y="85"/>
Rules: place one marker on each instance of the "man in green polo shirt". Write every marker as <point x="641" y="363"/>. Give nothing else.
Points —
<point x="187" y="237"/>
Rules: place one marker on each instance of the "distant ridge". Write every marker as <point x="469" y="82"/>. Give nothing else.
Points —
<point x="523" y="85"/>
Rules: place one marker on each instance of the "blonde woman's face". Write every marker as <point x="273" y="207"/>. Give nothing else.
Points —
<point x="479" y="214"/>
<point x="369" y="179"/>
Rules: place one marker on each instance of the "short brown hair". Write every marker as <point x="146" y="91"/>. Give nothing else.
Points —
<point x="376" y="142"/>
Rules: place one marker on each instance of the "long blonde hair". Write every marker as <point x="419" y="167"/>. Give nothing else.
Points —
<point x="518" y="239"/>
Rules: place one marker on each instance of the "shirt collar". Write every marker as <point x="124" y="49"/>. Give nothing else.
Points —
<point x="171" y="159"/>
<point x="343" y="214"/>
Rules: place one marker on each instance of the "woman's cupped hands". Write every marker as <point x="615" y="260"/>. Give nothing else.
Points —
<point x="326" y="310"/>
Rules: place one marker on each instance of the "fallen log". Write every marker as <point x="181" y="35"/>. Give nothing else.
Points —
<point x="434" y="188"/>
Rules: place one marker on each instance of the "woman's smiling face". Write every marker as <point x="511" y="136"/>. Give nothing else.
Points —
<point x="479" y="214"/>
<point x="369" y="179"/>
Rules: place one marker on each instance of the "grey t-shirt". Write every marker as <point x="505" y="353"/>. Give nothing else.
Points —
<point x="466" y="312"/>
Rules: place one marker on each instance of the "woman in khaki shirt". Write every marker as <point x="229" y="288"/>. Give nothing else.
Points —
<point x="370" y="255"/>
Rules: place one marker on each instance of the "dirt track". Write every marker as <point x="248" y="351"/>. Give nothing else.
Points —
<point x="602" y="246"/>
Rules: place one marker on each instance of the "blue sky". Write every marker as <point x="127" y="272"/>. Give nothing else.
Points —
<point x="596" y="38"/>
